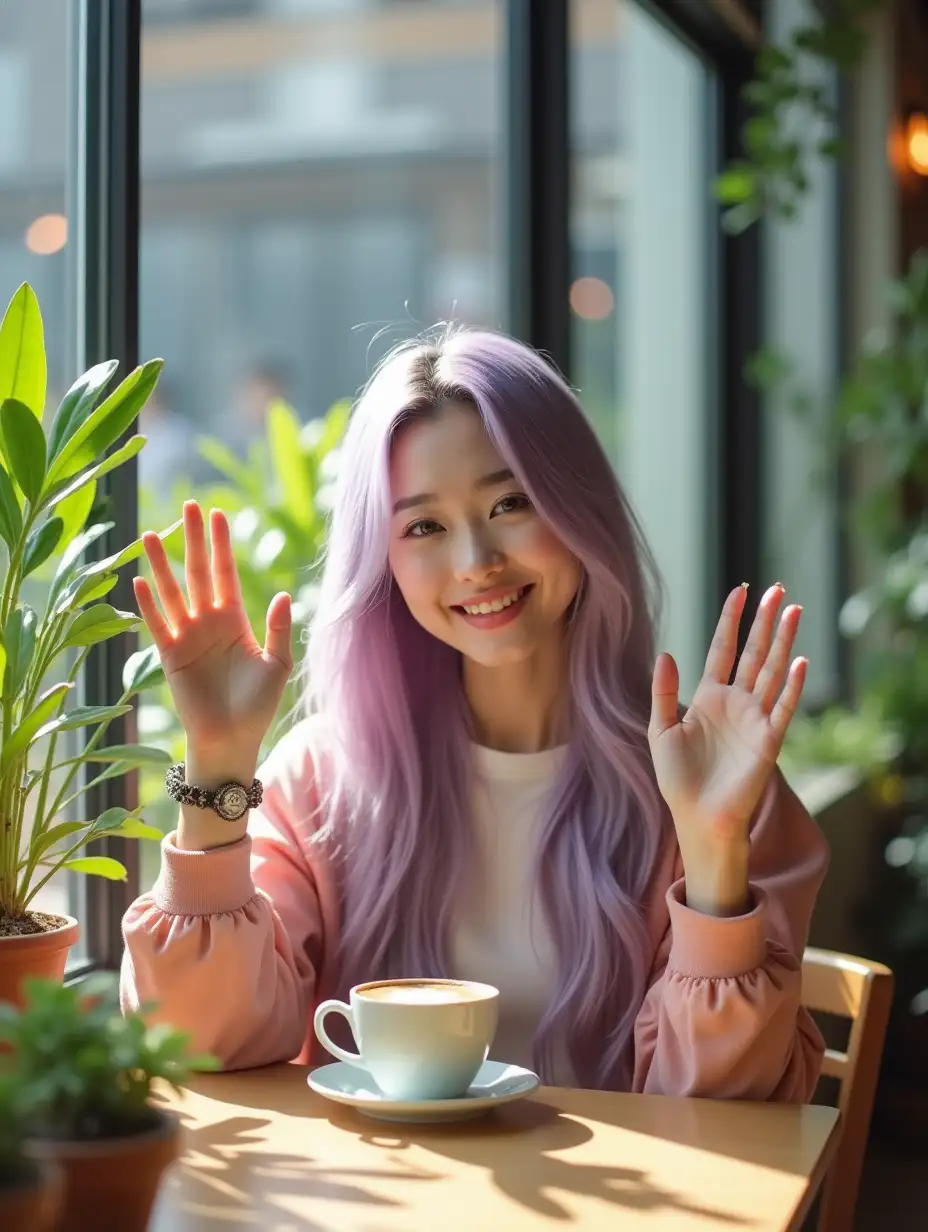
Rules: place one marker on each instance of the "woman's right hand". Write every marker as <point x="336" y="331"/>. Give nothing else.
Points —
<point x="225" y="687"/>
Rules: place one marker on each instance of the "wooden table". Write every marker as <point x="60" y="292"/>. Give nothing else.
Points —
<point x="263" y="1151"/>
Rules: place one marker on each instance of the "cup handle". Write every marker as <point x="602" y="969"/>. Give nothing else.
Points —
<point x="336" y="1007"/>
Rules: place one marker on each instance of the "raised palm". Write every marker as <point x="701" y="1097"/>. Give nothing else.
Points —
<point x="225" y="687"/>
<point x="713" y="763"/>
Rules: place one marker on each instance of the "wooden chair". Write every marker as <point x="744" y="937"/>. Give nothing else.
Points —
<point x="862" y="991"/>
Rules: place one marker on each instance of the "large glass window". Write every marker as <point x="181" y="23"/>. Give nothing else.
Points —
<point x="641" y="295"/>
<point x="33" y="238"/>
<point x="320" y="179"/>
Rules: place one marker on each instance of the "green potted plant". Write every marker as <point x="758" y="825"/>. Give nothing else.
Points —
<point x="30" y="1189"/>
<point x="52" y="611"/>
<point x="88" y="1070"/>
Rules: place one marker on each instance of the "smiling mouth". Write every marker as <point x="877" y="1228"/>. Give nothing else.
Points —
<point x="494" y="606"/>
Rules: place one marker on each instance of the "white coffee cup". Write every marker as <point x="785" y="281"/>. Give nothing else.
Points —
<point x="418" y="1039"/>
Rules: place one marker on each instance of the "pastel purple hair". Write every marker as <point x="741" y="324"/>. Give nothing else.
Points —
<point x="398" y="802"/>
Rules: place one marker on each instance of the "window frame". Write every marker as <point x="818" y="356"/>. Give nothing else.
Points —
<point x="104" y="194"/>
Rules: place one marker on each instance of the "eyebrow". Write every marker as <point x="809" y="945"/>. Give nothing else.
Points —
<point x="427" y="498"/>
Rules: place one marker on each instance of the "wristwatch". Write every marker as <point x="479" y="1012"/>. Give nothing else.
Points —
<point x="231" y="801"/>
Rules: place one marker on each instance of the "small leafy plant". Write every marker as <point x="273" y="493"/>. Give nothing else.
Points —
<point x="48" y="526"/>
<point x="80" y="1069"/>
<point x="15" y="1165"/>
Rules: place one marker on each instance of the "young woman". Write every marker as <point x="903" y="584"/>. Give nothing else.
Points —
<point x="496" y="780"/>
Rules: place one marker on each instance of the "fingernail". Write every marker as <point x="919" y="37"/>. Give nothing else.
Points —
<point x="780" y="584"/>
<point x="745" y="585"/>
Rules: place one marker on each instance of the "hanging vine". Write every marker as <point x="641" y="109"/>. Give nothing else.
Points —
<point x="793" y="117"/>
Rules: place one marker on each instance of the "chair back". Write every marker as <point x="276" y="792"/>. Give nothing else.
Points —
<point x="859" y="990"/>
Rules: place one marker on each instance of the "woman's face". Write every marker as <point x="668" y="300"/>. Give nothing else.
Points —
<point x="477" y="566"/>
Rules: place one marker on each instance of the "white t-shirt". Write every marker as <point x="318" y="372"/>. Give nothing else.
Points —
<point x="502" y="937"/>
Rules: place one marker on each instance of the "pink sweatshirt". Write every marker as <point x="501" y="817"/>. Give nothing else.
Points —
<point x="236" y="946"/>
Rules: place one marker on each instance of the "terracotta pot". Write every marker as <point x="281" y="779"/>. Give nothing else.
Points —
<point x="110" y="1184"/>
<point x="35" y="1205"/>
<point x="41" y="954"/>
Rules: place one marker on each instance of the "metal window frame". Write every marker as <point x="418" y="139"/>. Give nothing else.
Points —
<point x="103" y="204"/>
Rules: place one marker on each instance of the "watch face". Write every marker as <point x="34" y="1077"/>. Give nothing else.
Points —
<point x="232" y="802"/>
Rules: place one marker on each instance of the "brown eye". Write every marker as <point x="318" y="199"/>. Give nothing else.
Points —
<point x="515" y="502"/>
<point x="422" y="529"/>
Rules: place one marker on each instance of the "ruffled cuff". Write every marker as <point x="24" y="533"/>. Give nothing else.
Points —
<point x="714" y="947"/>
<point x="204" y="882"/>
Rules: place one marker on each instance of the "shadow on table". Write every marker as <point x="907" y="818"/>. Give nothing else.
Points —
<point x="535" y="1174"/>
<point x="217" y="1196"/>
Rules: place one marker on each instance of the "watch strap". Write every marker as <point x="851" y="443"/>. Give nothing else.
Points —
<point x="205" y="797"/>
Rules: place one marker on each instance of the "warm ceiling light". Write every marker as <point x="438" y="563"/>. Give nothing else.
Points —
<point x="591" y="299"/>
<point x="47" y="234"/>
<point x="916" y="142"/>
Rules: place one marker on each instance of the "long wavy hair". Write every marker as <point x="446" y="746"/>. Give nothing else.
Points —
<point x="398" y="790"/>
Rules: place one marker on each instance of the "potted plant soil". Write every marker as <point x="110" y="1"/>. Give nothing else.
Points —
<point x="51" y="614"/>
<point x="30" y="1189"/>
<point x="89" y="1071"/>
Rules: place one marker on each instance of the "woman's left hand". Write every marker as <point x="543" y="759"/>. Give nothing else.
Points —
<point x="713" y="764"/>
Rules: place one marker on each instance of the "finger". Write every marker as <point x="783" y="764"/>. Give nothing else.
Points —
<point x="226" y="585"/>
<point x="196" y="559"/>
<point x="167" y="587"/>
<point x="277" y="637"/>
<point x="157" y="626"/>
<point x="665" y="696"/>
<point x="785" y="708"/>
<point x="721" y="657"/>
<point x="774" y="672"/>
<point x="755" y="652"/>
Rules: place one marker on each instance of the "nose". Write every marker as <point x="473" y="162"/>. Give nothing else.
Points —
<point x="479" y="558"/>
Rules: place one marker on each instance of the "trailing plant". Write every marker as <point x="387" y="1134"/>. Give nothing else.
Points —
<point x="792" y="118"/>
<point x="79" y="1069"/>
<point x="48" y="526"/>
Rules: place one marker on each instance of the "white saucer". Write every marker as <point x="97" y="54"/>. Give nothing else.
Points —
<point x="495" y="1084"/>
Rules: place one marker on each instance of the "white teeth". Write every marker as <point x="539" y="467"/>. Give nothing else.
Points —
<point x="485" y="609"/>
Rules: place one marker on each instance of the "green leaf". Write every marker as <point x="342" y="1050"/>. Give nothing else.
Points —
<point x="77" y="404"/>
<point x="106" y="423"/>
<point x="86" y="589"/>
<point x="70" y="558"/>
<point x="24" y="442"/>
<point x="32" y="725"/>
<point x="283" y="430"/>
<point x="41" y="543"/>
<point x="735" y="185"/>
<point x="142" y="670"/>
<point x="42" y="842"/>
<point x="22" y="352"/>
<point x="84" y="716"/>
<point x="97" y="624"/>
<point x="19" y="639"/>
<point x="137" y="754"/>
<point x="74" y="511"/>
<point x="224" y="460"/>
<point x="2" y="662"/>
<point x="11" y="519"/>
<point x="133" y="827"/>
<point x="335" y="425"/>
<point x="126" y="824"/>
<point x="132" y="446"/>
<point x="98" y="866"/>
<point x="131" y="552"/>
<point x="111" y="819"/>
